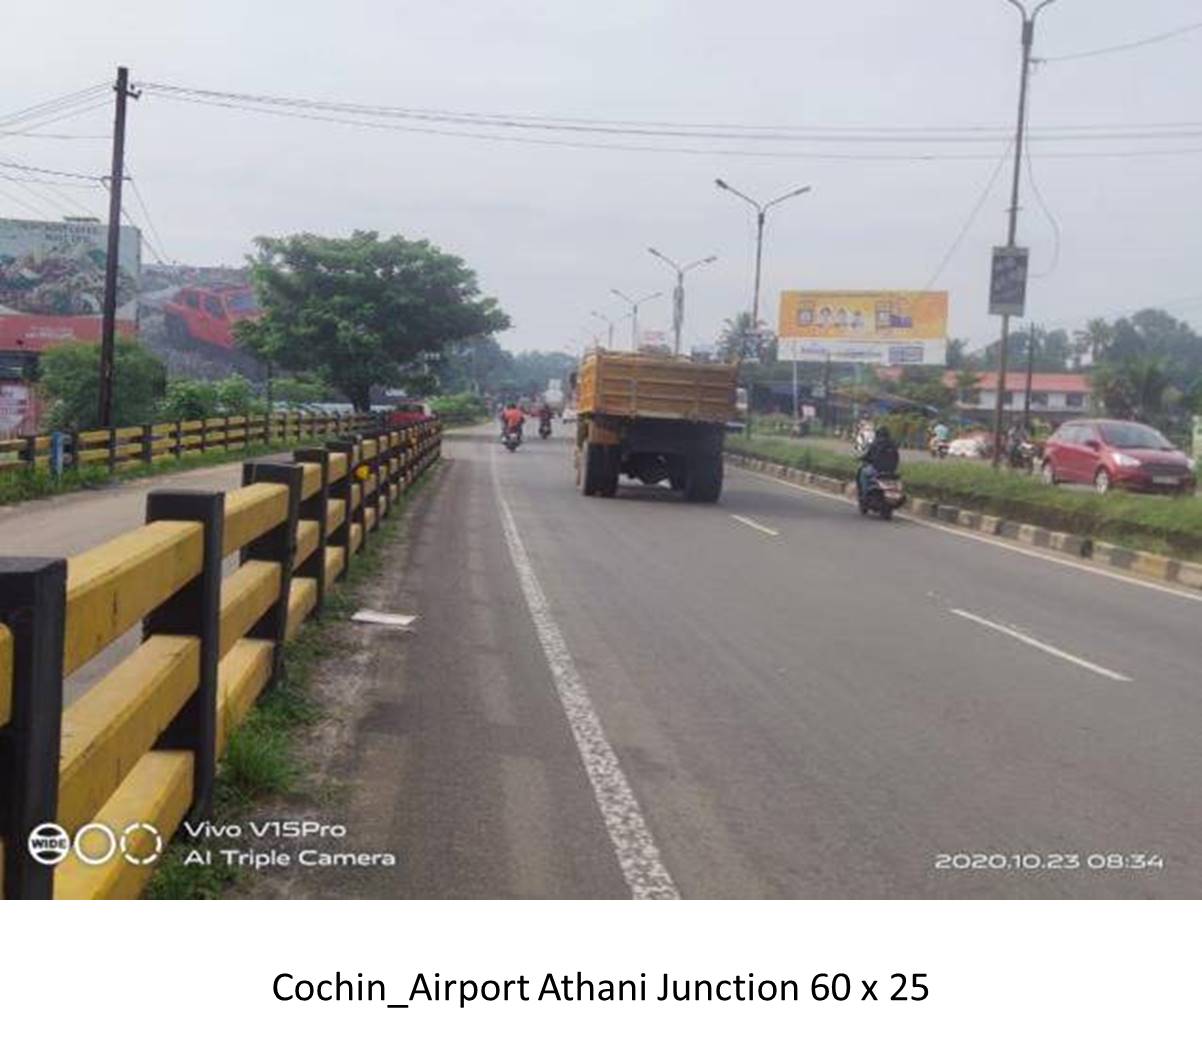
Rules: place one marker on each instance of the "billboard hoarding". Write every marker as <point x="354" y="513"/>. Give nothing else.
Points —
<point x="873" y="327"/>
<point x="52" y="282"/>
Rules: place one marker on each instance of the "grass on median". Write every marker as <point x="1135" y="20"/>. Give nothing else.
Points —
<point x="261" y="760"/>
<point x="1166" y="525"/>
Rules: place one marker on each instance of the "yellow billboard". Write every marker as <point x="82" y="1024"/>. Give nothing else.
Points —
<point x="878" y="327"/>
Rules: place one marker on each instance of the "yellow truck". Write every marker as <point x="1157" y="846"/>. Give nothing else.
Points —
<point x="654" y="418"/>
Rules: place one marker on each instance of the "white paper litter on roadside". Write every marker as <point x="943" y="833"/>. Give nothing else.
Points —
<point x="386" y="619"/>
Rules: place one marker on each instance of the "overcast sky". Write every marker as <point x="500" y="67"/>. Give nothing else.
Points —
<point x="551" y="229"/>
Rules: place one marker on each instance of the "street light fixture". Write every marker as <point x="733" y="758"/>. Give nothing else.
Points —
<point x="634" y="314"/>
<point x="1028" y="38"/>
<point x="678" y="291"/>
<point x="608" y="321"/>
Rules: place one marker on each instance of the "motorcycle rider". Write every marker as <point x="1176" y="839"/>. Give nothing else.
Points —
<point x="881" y="458"/>
<point x="939" y="435"/>
<point x="512" y="419"/>
<point x="544" y="416"/>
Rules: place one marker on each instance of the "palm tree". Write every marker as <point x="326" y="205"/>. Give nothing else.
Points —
<point x="1095" y="340"/>
<point x="743" y="339"/>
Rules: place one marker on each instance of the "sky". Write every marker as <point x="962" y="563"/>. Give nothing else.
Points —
<point x="551" y="229"/>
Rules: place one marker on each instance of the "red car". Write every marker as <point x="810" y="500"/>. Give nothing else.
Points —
<point x="1112" y="454"/>
<point x="209" y="314"/>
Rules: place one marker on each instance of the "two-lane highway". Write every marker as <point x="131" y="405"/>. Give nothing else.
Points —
<point x="768" y="697"/>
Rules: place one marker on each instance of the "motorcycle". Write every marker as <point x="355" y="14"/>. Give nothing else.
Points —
<point x="512" y="438"/>
<point x="544" y="428"/>
<point x="883" y="495"/>
<point x="937" y="448"/>
<point x="1024" y="456"/>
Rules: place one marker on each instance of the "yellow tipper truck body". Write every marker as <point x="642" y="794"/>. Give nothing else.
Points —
<point x="654" y="418"/>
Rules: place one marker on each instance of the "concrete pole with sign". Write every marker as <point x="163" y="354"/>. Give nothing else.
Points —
<point x="1008" y="310"/>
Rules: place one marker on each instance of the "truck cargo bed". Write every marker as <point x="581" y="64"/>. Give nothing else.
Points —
<point x="638" y="385"/>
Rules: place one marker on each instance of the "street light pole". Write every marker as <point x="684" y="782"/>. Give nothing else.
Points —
<point x="1028" y="38"/>
<point x="634" y="314"/>
<point x="601" y="316"/>
<point x="678" y="291"/>
<point x="761" y="212"/>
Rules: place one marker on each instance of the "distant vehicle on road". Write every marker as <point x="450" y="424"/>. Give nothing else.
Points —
<point x="653" y="418"/>
<point x="208" y="314"/>
<point x="569" y="415"/>
<point x="1112" y="454"/>
<point x="975" y="446"/>
<point x="407" y="412"/>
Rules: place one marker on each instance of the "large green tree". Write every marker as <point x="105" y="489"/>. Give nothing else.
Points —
<point x="71" y="378"/>
<point x="363" y="310"/>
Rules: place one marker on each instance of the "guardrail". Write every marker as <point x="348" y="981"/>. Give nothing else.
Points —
<point x="116" y="448"/>
<point x="136" y="753"/>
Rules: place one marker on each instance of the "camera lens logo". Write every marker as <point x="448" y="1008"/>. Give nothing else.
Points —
<point x="49" y="844"/>
<point x="96" y="844"/>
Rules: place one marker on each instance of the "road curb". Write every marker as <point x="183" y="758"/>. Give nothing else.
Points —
<point x="1140" y="563"/>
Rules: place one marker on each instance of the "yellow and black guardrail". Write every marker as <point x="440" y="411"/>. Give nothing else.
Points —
<point x="123" y="447"/>
<point x="136" y="753"/>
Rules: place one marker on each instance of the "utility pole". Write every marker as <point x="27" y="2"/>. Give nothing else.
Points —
<point x="1028" y="38"/>
<point x="108" y="326"/>
<point x="678" y="292"/>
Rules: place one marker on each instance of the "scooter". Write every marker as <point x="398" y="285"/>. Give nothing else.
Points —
<point x="937" y="448"/>
<point x="1024" y="455"/>
<point x="883" y="495"/>
<point x="512" y="438"/>
<point x="544" y="428"/>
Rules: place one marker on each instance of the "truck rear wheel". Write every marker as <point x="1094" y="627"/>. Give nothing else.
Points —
<point x="591" y="462"/>
<point x="607" y="474"/>
<point x="703" y="482"/>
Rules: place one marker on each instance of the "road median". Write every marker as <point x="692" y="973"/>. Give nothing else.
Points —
<point x="833" y="473"/>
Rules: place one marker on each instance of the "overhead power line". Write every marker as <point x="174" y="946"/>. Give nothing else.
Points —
<point x="1147" y="41"/>
<point x="618" y="128"/>
<point x="608" y="145"/>
<point x="51" y="172"/>
<point x="969" y="220"/>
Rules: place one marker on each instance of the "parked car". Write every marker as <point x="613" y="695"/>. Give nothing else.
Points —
<point x="208" y="314"/>
<point x="975" y="445"/>
<point x="1112" y="454"/>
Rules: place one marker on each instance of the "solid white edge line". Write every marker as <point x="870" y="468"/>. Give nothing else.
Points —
<point x="638" y="856"/>
<point x="755" y="525"/>
<point x="992" y="541"/>
<point x="1042" y="646"/>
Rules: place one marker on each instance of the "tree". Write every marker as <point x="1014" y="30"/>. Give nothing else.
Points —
<point x="924" y="386"/>
<point x="71" y="377"/>
<point x="1093" y="341"/>
<point x="743" y="339"/>
<point x="957" y="353"/>
<point x="358" y="310"/>
<point x="1134" y="388"/>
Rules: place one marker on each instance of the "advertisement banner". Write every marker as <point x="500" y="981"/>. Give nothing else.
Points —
<point x="864" y="327"/>
<point x="52" y="282"/>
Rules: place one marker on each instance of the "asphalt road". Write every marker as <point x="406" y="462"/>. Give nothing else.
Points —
<point x="786" y="700"/>
<point x="768" y="697"/>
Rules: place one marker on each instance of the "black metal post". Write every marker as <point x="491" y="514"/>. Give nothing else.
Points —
<point x="195" y="611"/>
<point x="33" y="596"/>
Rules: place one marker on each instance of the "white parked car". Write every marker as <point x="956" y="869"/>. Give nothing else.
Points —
<point x="968" y="446"/>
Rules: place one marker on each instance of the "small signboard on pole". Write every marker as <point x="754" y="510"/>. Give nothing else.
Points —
<point x="1008" y="282"/>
